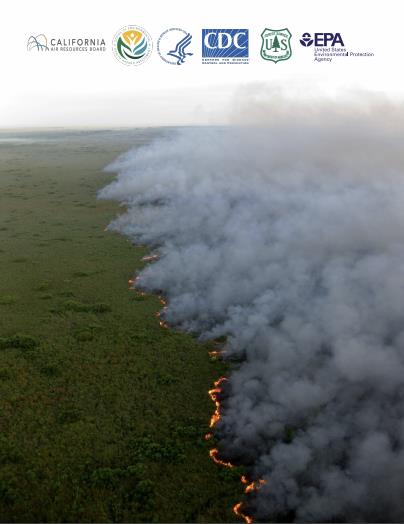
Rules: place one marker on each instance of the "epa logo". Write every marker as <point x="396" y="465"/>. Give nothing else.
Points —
<point x="306" y="40"/>
<point x="322" y="39"/>
<point x="224" y="45"/>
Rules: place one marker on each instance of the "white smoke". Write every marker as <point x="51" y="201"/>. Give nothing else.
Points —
<point x="289" y="239"/>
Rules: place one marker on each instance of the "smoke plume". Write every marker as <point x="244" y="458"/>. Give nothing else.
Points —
<point x="287" y="237"/>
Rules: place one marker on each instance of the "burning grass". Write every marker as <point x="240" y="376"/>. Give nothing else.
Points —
<point x="250" y="486"/>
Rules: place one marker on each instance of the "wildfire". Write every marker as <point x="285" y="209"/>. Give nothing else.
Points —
<point x="215" y="355"/>
<point x="251" y="486"/>
<point x="255" y="485"/>
<point x="163" y="301"/>
<point x="213" y="455"/>
<point x="132" y="286"/>
<point x="213" y="393"/>
<point x="161" y="322"/>
<point x="247" y="518"/>
<point x="149" y="258"/>
<point x="133" y="282"/>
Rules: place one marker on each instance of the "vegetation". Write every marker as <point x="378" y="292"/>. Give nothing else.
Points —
<point x="102" y="412"/>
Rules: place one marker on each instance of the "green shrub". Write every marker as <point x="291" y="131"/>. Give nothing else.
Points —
<point x="76" y="306"/>
<point x="81" y="274"/>
<point x="66" y="294"/>
<point x="9" y="453"/>
<point x="166" y="379"/>
<point x="229" y="474"/>
<point x="46" y="296"/>
<point x="83" y="336"/>
<point x="144" y="492"/>
<point x="110" y="477"/>
<point x="189" y="431"/>
<point x="7" y="300"/>
<point x="44" y="286"/>
<point x="7" y="491"/>
<point x="106" y="477"/>
<point x="5" y="374"/>
<point x="18" y="341"/>
<point x="68" y="416"/>
<point x="80" y="307"/>
<point x="144" y="448"/>
<point x="100" y="307"/>
<point x="49" y="371"/>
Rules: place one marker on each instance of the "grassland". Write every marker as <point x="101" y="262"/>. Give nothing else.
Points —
<point x="102" y="412"/>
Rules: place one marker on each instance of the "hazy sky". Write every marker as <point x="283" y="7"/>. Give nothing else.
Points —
<point x="86" y="89"/>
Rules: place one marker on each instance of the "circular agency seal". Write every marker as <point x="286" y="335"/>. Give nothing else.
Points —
<point x="172" y="44"/>
<point x="132" y="45"/>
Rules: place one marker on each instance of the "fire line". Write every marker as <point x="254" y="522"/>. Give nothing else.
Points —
<point x="214" y="395"/>
<point x="252" y="486"/>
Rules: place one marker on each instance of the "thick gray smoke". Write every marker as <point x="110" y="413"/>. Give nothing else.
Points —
<point x="289" y="239"/>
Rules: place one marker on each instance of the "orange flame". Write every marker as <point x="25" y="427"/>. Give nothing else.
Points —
<point x="161" y="322"/>
<point x="132" y="284"/>
<point x="133" y="281"/>
<point x="148" y="258"/>
<point x="213" y="393"/>
<point x="163" y="301"/>
<point x="215" y="355"/>
<point x="247" y="518"/>
<point x="213" y="455"/>
<point x="250" y="485"/>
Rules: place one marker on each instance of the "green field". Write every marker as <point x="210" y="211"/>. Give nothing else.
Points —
<point x="102" y="412"/>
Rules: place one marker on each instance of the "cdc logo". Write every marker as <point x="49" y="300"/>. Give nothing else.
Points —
<point x="224" y="45"/>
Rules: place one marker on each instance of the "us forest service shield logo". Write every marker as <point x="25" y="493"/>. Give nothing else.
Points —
<point x="276" y="44"/>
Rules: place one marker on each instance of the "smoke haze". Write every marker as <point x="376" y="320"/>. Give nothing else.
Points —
<point x="288" y="237"/>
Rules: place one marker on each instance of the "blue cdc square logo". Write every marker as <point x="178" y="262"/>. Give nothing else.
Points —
<point x="224" y="43"/>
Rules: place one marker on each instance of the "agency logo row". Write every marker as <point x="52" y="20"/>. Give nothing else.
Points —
<point x="133" y="45"/>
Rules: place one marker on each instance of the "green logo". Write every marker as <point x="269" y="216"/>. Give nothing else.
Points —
<point x="276" y="44"/>
<point x="132" y="45"/>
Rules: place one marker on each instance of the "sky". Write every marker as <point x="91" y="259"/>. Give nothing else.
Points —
<point x="42" y="89"/>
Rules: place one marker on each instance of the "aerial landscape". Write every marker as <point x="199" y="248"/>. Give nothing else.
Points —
<point x="88" y="377"/>
<point x="202" y="262"/>
<point x="157" y="364"/>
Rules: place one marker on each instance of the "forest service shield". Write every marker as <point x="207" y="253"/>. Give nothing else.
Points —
<point x="276" y="44"/>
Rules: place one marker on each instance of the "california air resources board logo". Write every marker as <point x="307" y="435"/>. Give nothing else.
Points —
<point x="132" y="45"/>
<point x="38" y="42"/>
<point x="276" y="44"/>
